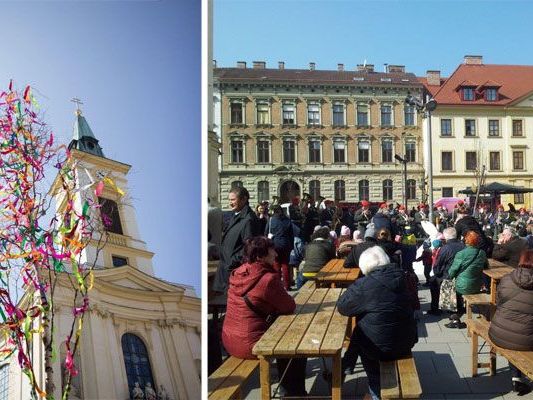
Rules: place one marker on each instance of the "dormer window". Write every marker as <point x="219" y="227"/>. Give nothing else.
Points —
<point x="468" y="94"/>
<point x="491" y="94"/>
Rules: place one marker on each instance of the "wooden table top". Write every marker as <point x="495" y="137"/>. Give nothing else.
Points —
<point x="497" y="264"/>
<point x="497" y="273"/>
<point x="315" y="329"/>
<point x="335" y="273"/>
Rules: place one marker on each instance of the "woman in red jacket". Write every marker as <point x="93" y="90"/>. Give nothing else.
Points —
<point x="255" y="295"/>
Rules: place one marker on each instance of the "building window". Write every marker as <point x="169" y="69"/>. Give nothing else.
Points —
<point x="236" y="184"/>
<point x="491" y="94"/>
<point x="387" y="189"/>
<point x="263" y="192"/>
<point x="340" y="190"/>
<point x="136" y="361"/>
<point x="471" y="160"/>
<point x="386" y="151"/>
<point x="517" y="127"/>
<point x="338" y="114"/>
<point x="236" y="113"/>
<point x="363" y="151"/>
<point x="494" y="161"/>
<point x="447" y="192"/>
<point x="263" y="151"/>
<point x="339" y="151"/>
<point x="314" y="189"/>
<point x="237" y="151"/>
<point x="409" y="113"/>
<point x="263" y="113"/>
<point x="446" y="127"/>
<point x="446" y="161"/>
<point x="518" y="160"/>
<point x="470" y="127"/>
<point x="362" y="115"/>
<point x="313" y="114"/>
<point x="289" y="151"/>
<point x="314" y="150"/>
<point x="119" y="261"/>
<point x="386" y="115"/>
<point x="468" y="94"/>
<point x="411" y="189"/>
<point x="494" y="127"/>
<point x="289" y="114"/>
<point x="110" y="215"/>
<point x="4" y="382"/>
<point x="518" y="199"/>
<point x="364" y="190"/>
<point x="410" y="151"/>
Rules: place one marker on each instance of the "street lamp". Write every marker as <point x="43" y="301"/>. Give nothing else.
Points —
<point x="426" y="109"/>
<point x="404" y="162"/>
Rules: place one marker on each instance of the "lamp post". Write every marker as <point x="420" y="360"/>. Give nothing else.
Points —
<point x="426" y="108"/>
<point x="404" y="162"/>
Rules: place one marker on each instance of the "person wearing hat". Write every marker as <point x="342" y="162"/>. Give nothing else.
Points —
<point x="352" y="261"/>
<point x="420" y="215"/>
<point x="363" y="216"/>
<point x="403" y="220"/>
<point x="382" y="220"/>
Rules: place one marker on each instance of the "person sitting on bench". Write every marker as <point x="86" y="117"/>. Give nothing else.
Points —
<point x="386" y="328"/>
<point x="512" y="324"/>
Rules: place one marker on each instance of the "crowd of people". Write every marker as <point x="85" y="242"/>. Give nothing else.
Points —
<point x="266" y="253"/>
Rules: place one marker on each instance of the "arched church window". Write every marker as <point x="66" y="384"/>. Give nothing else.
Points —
<point x="136" y="361"/>
<point x="110" y="215"/>
<point x="4" y="382"/>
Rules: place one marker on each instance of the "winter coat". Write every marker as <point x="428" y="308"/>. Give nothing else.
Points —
<point x="512" y="324"/>
<point x="352" y="261"/>
<point x="381" y="220"/>
<point x="281" y="229"/>
<point x="241" y="227"/>
<point x="468" y="267"/>
<point x="381" y="304"/>
<point x="509" y="252"/>
<point x="243" y="327"/>
<point x="444" y="260"/>
<point x="317" y="254"/>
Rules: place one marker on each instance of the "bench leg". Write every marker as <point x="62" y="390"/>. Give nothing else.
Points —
<point x="492" y="362"/>
<point x="468" y="316"/>
<point x="264" y="374"/>
<point x="337" y="379"/>
<point x="474" y="353"/>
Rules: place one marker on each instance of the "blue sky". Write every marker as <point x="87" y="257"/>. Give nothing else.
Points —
<point x="136" y="67"/>
<point x="422" y="35"/>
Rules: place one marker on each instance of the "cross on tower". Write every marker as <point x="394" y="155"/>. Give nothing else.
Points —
<point x="78" y="102"/>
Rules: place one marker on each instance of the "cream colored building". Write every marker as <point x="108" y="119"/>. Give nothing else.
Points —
<point x="328" y="133"/>
<point x="484" y="118"/>
<point x="139" y="327"/>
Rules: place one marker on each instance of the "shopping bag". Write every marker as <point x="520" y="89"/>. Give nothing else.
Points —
<point x="448" y="297"/>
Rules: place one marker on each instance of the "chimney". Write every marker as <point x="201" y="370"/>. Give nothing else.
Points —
<point x="433" y="78"/>
<point x="214" y="63"/>
<point x="281" y="64"/>
<point x="392" y="69"/>
<point x="312" y="66"/>
<point x="340" y="67"/>
<point x="259" y="64"/>
<point x="473" y="60"/>
<point x="365" y="67"/>
<point x="241" y="64"/>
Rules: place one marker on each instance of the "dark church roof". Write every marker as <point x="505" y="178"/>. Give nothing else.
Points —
<point x="83" y="137"/>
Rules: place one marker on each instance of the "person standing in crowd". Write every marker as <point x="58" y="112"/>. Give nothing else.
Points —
<point x="261" y="211"/>
<point x="442" y="264"/>
<point x="509" y="247"/>
<point x="402" y="220"/>
<point x="363" y="216"/>
<point x="317" y="254"/>
<point x="466" y="223"/>
<point x="242" y="225"/>
<point x="279" y="230"/>
<point x="386" y="328"/>
<point x="255" y="297"/>
<point x="511" y="326"/>
<point x="467" y="267"/>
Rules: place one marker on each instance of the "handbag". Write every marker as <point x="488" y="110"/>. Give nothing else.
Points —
<point x="448" y="297"/>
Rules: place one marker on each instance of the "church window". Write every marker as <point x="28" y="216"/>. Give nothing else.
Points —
<point x="110" y="215"/>
<point x="136" y="361"/>
<point x="119" y="261"/>
<point x="4" y="382"/>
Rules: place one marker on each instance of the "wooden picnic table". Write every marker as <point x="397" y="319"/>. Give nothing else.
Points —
<point x="496" y="271"/>
<point x="333" y="274"/>
<point x="316" y="329"/>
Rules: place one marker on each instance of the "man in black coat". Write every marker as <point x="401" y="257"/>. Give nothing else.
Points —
<point x="352" y="260"/>
<point x="243" y="225"/>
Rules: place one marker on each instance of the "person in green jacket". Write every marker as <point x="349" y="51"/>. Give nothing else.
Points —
<point x="467" y="268"/>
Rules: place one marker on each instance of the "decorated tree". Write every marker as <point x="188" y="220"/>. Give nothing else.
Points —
<point x="42" y="248"/>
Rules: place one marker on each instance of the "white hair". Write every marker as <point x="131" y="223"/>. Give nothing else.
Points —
<point x="373" y="258"/>
<point x="450" y="233"/>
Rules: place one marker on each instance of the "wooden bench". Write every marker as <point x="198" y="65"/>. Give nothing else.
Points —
<point x="479" y="299"/>
<point x="523" y="360"/>
<point x="399" y="379"/>
<point x="309" y="285"/>
<point x="226" y="381"/>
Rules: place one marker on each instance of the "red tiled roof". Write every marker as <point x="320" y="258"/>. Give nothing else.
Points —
<point x="432" y="89"/>
<point x="514" y="82"/>
<point x="314" y="77"/>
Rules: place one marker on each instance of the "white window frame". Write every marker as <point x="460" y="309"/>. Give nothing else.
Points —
<point x="363" y="103"/>
<point x="314" y="103"/>
<point x="451" y="127"/>
<point x="476" y="127"/>
<point x="264" y="138"/>
<point x="243" y="106"/>
<point x="241" y="138"/>
<point x="410" y="140"/>
<point x="415" y="116"/>
<point x="367" y="140"/>
<point x="292" y="103"/>
<point x="267" y="103"/>
<point x="339" y="139"/>
<point x="294" y="139"/>
<point x="391" y="140"/>
<point x="338" y="103"/>
<point x="314" y="139"/>
<point x="386" y="104"/>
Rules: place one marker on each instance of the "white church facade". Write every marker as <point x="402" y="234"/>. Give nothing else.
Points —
<point x="139" y="329"/>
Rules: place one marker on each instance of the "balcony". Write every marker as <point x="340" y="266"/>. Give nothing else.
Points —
<point x="117" y="239"/>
